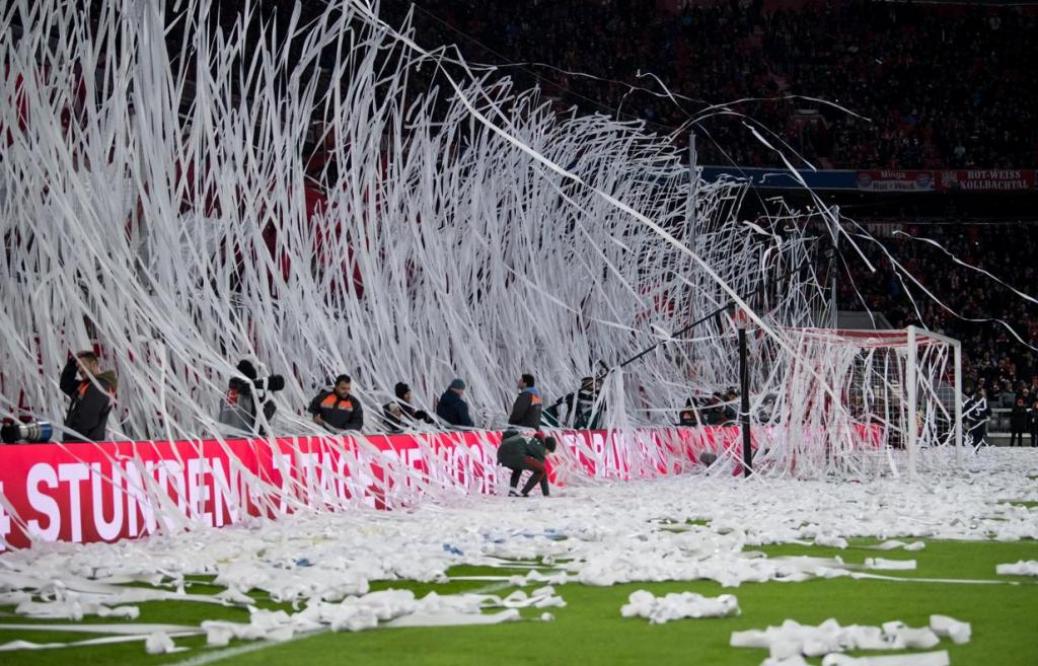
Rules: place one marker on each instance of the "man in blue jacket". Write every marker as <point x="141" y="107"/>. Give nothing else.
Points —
<point x="526" y="411"/>
<point x="452" y="407"/>
<point x="519" y="454"/>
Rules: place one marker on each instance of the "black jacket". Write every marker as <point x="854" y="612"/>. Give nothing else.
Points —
<point x="454" y="410"/>
<point x="526" y="411"/>
<point x="580" y="411"/>
<point x="408" y="416"/>
<point x="687" y="417"/>
<point x="1018" y="419"/>
<point x="87" y="417"/>
<point x="338" y="413"/>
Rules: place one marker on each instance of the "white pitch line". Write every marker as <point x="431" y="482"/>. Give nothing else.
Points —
<point x="227" y="653"/>
<point x="963" y="581"/>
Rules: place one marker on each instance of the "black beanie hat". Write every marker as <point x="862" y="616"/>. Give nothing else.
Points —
<point x="401" y="390"/>
<point x="246" y="368"/>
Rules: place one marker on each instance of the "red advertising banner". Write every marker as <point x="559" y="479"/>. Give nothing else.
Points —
<point x="988" y="180"/>
<point x="116" y="490"/>
<point x="85" y="493"/>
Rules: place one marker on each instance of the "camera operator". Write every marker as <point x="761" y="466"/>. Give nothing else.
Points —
<point x="238" y="409"/>
<point x="579" y="406"/>
<point x="92" y="393"/>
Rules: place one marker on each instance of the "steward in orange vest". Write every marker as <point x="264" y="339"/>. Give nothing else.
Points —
<point x="528" y="405"/>
<point x="337" y="410"/>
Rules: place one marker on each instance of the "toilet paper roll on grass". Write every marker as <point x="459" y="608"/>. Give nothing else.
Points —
<point x="949" y="627"/>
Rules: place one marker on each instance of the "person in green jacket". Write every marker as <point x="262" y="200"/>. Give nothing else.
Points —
<point x="519" y="454"/>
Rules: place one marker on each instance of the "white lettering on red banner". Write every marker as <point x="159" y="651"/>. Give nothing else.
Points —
<point x="105" y="492"/>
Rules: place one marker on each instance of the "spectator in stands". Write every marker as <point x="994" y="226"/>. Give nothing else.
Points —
<point x="337" y="410"/>
<point x="452" y="407"/>
<point x="519" y="454"/>
<point x="526" y="410"/>
<point x="932" y="88"/>
<point x="997" y="360"/>
<point x="92" y="393"/>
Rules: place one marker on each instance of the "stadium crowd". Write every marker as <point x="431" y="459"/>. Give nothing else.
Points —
<point x="993" y="357"/>
<point x="923" y="76"/>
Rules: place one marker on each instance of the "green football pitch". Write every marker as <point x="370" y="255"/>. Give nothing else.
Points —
<point x="590" y="630"/>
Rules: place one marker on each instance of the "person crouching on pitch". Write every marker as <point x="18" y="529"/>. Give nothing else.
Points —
<point x="520" y="454"/>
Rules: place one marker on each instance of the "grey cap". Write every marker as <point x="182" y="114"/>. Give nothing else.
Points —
<point x="457" y="384"/>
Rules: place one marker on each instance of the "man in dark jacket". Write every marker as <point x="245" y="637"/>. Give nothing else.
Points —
<point x="337" y="410"/>
<point x="526" y="411"/>
<point x="1018" y="422"/>
<point x="1032" y="420"/>
<point x="452" y="407"/>
<point x="92" y="392"/>
<point x="519" y="454"/>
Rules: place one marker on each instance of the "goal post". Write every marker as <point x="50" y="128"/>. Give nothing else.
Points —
<point x="863" y="401"/>
<point x="920" y="339"/>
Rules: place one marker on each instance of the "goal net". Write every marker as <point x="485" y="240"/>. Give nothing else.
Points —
<point x="856" y="403"/>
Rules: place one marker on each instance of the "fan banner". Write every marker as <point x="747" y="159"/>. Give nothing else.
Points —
<point x="104" y="492"/>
